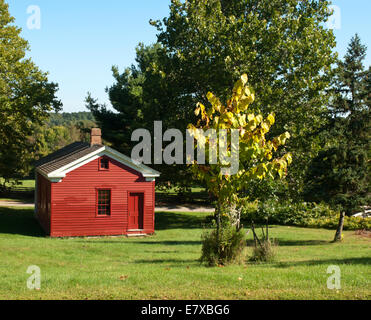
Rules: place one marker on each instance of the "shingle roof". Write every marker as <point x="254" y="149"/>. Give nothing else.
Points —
<point x="65" y="156"/>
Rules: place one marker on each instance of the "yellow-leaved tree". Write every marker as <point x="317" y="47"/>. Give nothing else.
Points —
<point x="247" y="152"/>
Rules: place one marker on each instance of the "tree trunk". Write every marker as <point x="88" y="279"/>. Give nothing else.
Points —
<point x="339" y="230"/>
<point x="218" y="220"/>
<point x="256" y="238"/>
<point x="218" y="226"/>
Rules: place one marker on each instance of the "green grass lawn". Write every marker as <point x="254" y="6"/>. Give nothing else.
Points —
<point x="24" y="184"/>
<point x="173" y="190"/>
<point x="22" y="192"/>
<point x="165" y="266"/>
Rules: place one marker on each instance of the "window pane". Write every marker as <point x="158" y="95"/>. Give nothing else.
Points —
<point x="104" y="202"/>
<point x="104" y="164"/>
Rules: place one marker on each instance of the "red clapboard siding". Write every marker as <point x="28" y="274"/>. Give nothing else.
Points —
<point x="74" y="200"/>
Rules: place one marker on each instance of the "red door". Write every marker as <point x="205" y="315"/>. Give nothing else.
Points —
<point x="136" y="210"/>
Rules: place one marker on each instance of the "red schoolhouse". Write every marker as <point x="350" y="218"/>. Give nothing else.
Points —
<point x="92" y="190"/>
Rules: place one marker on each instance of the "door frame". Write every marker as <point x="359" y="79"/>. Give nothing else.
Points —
<point x="127" y="205"/>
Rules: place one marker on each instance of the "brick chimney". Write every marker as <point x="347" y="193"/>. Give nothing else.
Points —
<point x="95" y="137"/>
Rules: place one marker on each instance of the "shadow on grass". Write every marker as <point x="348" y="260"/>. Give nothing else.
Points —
<point x="139" y="242"/>
<point x="172" y="243"/>
<point x="169" y="262"/>
<point x="169" y="220"/>
<point x="19" y="221"/>
<point x="294" y="243"/>
<point x="351" y="261"/>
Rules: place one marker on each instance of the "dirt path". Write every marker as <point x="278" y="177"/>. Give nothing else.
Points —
<point x="184" y="208"/>
<point x="6" y="203"/>
<point x="163" y="208"/>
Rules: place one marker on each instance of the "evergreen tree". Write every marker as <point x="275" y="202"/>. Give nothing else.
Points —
<point x="339" y="175"/>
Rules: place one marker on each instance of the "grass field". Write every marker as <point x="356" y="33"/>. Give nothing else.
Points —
<point x="165" y="266"/>
<point x="22" y="192"/>
<point x="24" y="184"/>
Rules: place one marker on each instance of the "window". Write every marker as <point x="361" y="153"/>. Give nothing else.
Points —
<point x="104" y="202"/>
<point x="103" y="164"/>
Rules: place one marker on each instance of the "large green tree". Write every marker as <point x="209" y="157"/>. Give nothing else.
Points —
<point x="141" y="95"/>
<point x="204" y="45"/>
<point x="26" y="97"/>
<point x="339" y="174"/>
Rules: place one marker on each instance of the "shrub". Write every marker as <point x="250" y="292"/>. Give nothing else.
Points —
<point x="264" y="252"/>
<point x="350" y="223"/>
<point x="302" y="214"/>
<point x="263" y="247"/>
<point x="229" y="248"/>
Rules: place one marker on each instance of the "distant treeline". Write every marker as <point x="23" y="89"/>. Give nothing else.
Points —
<point x="66" y="119"/>
<point x="60" y="130"/>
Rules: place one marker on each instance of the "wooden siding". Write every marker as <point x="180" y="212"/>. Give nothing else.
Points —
<point x="74" y="201"/>
<point x="43" y="204"/>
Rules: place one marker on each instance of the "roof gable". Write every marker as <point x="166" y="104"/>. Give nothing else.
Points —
<point x="55" y="166"/>
<point x="64" y="156"/>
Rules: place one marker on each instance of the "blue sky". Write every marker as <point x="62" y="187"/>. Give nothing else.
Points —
<point x="80" y="40"/>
